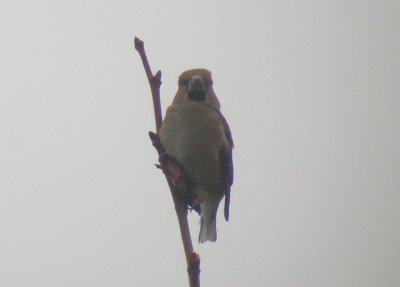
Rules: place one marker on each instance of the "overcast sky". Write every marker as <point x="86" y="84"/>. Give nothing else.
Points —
<point x="311" y="90"/>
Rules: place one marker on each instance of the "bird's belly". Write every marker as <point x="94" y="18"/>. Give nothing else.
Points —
<point x="199" y="157"/>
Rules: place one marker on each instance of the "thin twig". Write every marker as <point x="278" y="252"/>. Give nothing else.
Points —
<point x="192" y="258"/>
<point x="154" y="81"/>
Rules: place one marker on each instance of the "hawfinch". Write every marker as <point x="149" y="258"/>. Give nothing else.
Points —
<point x="197" y="136"/>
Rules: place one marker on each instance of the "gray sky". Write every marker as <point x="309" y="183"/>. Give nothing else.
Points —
<point x="310" y="89"/>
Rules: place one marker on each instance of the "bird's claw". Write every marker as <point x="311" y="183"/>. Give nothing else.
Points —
<point x="195" y="203"/>
<point x="171" y="168"/>
<point x="175" y="171"/>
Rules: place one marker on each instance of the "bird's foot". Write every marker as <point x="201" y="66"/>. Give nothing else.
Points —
<point x="163" y="157"/>
<point x="174" y="171"/>
<point x="196" y="203"/>
<point x="171" y="168"/>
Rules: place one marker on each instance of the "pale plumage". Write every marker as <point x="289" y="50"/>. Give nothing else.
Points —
<point x="196" y="134"/>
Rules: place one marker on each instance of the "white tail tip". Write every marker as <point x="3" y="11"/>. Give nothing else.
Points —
<point x="208" y="230"/>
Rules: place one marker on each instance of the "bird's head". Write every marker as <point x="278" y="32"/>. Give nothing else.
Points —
<point x="196" y="86"/>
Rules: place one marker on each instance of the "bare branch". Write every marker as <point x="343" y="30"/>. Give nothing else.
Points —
<point x="174" y="173"/>
<point x="154" y="81"/>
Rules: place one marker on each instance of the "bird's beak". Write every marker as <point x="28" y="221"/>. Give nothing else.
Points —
<point x="196" y="84"/>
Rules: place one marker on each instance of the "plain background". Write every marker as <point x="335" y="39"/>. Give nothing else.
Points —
<point x="311" y="91"/>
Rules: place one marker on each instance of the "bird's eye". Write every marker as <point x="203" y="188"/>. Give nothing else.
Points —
<point x="182" y="83"/>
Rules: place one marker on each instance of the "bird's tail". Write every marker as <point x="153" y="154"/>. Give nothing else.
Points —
<point x="208" y="222"/>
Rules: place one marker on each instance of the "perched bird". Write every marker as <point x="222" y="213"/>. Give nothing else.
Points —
<point x="197" y="136"/>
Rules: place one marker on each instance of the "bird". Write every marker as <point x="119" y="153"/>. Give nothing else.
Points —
<point x="196" y="134"/>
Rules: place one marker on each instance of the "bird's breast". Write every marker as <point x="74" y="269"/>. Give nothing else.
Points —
<point x="193" y="136"/>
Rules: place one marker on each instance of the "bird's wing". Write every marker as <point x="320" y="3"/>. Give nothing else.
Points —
<point x="226" y="163"/>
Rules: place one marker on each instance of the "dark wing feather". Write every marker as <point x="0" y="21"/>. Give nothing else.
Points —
<point x="226" y="163"/>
